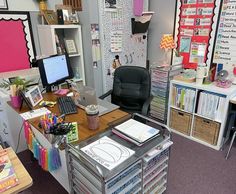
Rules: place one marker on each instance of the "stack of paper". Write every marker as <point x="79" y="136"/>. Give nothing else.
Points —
<point x="211" y="105"/>
<point x="107" y="152"/>
<point x="136" y="132"/>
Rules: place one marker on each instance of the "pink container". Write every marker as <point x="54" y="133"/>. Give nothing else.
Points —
<point x="16" y="101"/>
<point x="92" y="116"/>
<point x="138" y="7"/>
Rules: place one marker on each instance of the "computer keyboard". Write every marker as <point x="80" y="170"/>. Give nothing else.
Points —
<point x="66" y="105"/>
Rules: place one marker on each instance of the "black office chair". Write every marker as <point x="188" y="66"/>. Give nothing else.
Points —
<point x="131" y="89"/>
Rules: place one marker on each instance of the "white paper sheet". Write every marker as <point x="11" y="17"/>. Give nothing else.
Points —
<point x="107" y="152"/>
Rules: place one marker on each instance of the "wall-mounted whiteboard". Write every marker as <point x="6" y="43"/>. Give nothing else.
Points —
<point x="16" y="43"/>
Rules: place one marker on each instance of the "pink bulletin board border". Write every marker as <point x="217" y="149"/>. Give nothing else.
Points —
<point x="213" y="28"/>
<point x="21" y="21"/>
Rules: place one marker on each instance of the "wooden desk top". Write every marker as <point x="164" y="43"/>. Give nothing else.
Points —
<point x="25" y="179"/>
<point x="80" y="117"/>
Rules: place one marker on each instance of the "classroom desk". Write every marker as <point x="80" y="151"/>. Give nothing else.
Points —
<point x="61" y="174"/>
<point x="25" y="180"/>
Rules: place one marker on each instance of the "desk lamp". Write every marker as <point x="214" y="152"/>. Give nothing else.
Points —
<point x="167" y="43"/>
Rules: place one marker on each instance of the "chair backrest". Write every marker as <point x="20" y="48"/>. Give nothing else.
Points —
<point x="131" y="87"/>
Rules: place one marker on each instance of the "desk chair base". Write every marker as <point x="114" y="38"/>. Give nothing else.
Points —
<point x="230" y="146"/>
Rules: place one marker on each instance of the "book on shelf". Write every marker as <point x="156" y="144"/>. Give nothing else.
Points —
<point x="211" y="105"/>
<point x="183" y="98"/>
<point x="8" y="178"/>
<point x="135" y="131"/>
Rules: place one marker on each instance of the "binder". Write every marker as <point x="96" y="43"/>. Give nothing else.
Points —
<point x="135" y="132"/>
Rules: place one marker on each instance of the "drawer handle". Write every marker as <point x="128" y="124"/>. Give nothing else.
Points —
<point x="206" y="121"/>
<point x="180" y="113"/>
<point x="4" y="131"/>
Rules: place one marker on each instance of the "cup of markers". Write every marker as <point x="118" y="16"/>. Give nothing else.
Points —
<point x="50" y="121"/>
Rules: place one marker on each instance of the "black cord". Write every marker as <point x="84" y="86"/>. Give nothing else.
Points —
<point x="18" y="141"/>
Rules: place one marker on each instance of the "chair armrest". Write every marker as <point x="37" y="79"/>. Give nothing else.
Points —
<point x="146" y="106"/>
<point x="105" y="95"/>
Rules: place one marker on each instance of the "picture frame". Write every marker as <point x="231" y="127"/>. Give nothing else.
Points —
<point x="70" y="46"/>
<point x="50" y="17"/>
<point x="3" y="4"/>
<point x="34" y="95"/>
<point x="65" y="12"/>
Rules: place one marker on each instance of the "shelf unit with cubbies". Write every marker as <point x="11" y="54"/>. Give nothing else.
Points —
<point x="200" y="114"/>
<point x="52" y="42"/>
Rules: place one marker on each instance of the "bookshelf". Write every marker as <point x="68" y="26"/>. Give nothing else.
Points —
<point x="205" y="121"/>
<point x="52" y="41"/>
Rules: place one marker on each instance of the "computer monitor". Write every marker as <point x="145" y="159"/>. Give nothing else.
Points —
<point x="54" y="70"/>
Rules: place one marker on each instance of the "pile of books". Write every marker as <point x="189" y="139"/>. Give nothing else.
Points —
<point x="135" y="132"/>
<point x="8" y="177"/>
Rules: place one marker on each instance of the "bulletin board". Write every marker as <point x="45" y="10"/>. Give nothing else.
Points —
<point x="225" y="47"/>
<point x="195" y="30"/>
<point x="16" y="43"/>
<point x="117" y="29"/>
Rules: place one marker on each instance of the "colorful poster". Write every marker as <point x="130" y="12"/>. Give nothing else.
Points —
<point x="197" y="52"/>
<point x="185" y="44"/>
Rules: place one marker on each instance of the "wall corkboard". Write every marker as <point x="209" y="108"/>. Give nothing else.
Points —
<point x="16" y="41"/>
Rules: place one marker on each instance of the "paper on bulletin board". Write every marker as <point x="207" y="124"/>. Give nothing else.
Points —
<point x="94" y="31"/>
<point x="189" y="1"/>
<point x="96" y="50"/>
<point x="96" y="47"/>
<point x="205" y="1"/>
<point x="117" y="19"/>
<point x="187" y="22"/>
<point x="201" y="31"/>
<point x="110" y="5"/>
<point x="116" y="41"/>
<point x="186" y="32"/>
<point x="197" y="52"/>
<point x="205" y="11"/>
<point x="189" y="11"/>
<point x="185" y="44"/>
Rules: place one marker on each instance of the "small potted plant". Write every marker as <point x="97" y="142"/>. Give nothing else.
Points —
<point x="15" y="86"/>
<point x="178" y="59"/>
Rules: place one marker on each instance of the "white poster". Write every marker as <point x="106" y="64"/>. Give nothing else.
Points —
<point x="116" y="41"/>
<point x="107" y="152"/>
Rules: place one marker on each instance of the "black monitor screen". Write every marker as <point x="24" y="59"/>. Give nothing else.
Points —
<point x="54" y="70"/>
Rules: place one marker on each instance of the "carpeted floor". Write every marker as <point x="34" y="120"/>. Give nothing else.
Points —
<point x="197" y="169"/>
<point x="193" y="169"/>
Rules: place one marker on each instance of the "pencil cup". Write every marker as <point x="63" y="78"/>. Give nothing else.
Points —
<point x="92" y="116"/>
<point x="16" y="101"/>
